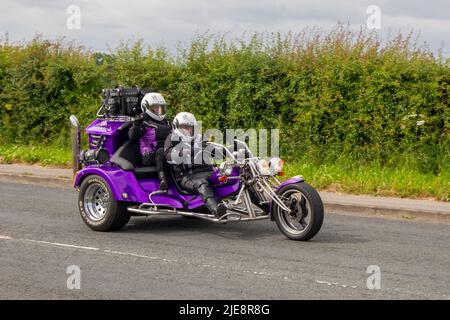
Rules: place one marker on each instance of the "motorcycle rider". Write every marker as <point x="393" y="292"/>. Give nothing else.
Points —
<point x="182" y="148"/>
<point x="151" y="130"/>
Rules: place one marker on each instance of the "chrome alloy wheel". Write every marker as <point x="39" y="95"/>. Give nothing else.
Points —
<point x="96" y="202"/>
<point x="299" y="218"/>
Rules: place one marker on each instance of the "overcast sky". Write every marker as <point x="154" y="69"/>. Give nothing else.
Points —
<point x="104" y="22"/>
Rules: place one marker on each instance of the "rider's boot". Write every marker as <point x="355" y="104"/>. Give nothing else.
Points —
<point x="206" y="192"/>
<point x="218" y="209"/>
<point x="163" y="185"/>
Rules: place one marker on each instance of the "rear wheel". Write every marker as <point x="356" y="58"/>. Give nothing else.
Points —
<point x="306" y="216"/>
<point x="98" y="208"/>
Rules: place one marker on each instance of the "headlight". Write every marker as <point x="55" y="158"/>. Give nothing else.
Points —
<point x="269" y="168"/>
<point x="276" y="165"/>
<point x="226" y="168"/>
<point x="263" y="167"/>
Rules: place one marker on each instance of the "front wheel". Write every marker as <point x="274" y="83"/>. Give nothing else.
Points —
<point x="306" y="216"/>
<point x="98" y="208"/>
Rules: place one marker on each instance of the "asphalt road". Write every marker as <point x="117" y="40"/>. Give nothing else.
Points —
<point x="41" y="235"/>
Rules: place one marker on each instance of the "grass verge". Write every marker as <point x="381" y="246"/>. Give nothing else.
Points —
<point x="374" y="180"/>
<point x="340" y="177"/>
<point x="45" y="155"/>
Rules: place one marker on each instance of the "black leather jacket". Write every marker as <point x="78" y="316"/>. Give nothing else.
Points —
<point x="173" y="149"/>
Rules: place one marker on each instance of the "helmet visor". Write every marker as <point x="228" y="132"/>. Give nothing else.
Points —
<point x="187" y="129"/>
<point x="158" y="109"/>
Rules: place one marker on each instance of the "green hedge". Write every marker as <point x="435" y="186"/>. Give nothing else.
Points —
<point x="333" y="95"/>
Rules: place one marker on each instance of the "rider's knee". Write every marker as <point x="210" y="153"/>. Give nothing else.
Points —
<point x="204" y="188"/>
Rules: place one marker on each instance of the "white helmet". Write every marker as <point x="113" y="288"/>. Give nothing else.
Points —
<point x="154" y="105"/>
<point x="185" y="125"/>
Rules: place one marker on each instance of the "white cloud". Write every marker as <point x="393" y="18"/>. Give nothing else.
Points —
<point x="169" y="21"/>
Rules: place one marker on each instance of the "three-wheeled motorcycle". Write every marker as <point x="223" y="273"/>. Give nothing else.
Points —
<point x="113" y="186"/>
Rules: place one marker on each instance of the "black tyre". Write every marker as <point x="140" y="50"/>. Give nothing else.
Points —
<point x="306" y="216"/>
<point x="98" y="208"/>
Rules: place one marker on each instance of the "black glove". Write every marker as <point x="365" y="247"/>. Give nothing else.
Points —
<point x="136" y="131"/>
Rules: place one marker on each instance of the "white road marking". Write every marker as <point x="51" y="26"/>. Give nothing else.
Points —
<point x="61" y="244"/>
<point x="267" y="274"/>
<point x="209" y="266"/>
<point x="135" y="255"/>
<point x="335" y="284"/>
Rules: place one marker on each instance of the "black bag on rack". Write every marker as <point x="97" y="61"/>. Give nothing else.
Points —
<point x="123" y="101"/>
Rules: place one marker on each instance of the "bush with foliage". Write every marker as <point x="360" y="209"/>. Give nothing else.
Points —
<point x="336" y="95"/>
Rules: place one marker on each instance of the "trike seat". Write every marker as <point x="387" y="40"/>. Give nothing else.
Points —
<point x="145" y="172"/>
<point x="127" y="157"/>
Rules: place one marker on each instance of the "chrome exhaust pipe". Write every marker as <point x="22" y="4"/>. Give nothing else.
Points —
<point x="75" y="138"/>
<point x="149" y="209"/>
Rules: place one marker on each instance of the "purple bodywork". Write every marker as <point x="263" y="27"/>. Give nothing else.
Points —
<point x="292" y="180"/>
<point x="124" y="184"/>
<point x="126" y="187"/>
<point x="107" y="129"/>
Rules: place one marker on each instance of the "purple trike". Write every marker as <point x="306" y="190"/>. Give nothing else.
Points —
<point x="112" y="186"/>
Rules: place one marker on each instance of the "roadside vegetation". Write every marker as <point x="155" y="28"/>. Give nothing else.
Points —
<point x="356" y="114"/>
<point x="373" y="179"/>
